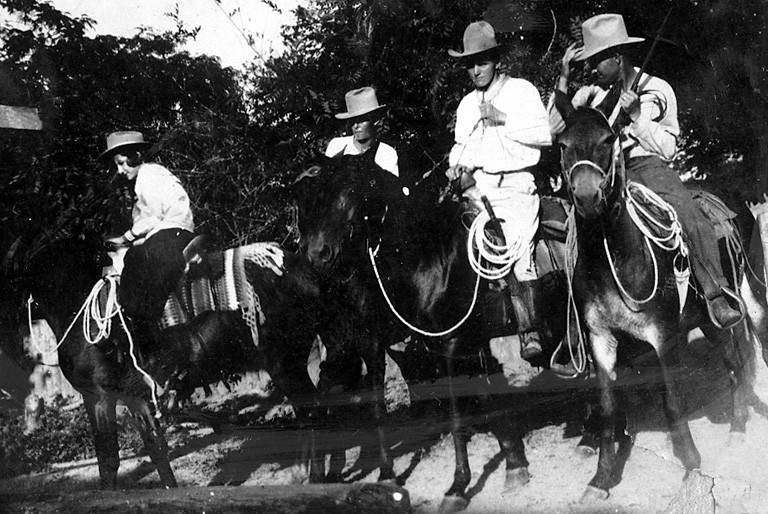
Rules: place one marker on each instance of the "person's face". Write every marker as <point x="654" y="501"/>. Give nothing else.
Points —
<point x="481" y="71"/>
<point x="124" y="169"/>
<point x="363" y="129"/>
<point x="605" y="68"/>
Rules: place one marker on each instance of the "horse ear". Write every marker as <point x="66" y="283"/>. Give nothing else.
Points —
<point x="563" y="105"/>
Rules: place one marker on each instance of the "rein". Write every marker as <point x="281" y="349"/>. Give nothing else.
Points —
<point x="372" y="255"/>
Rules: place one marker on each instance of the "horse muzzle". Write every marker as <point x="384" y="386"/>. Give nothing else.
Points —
<point x="586" y="187"/>
<point x="322" y="254"/>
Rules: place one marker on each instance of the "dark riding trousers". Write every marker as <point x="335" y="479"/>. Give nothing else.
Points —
<point x="655" y="174"/>
<point x="152" y="271"/>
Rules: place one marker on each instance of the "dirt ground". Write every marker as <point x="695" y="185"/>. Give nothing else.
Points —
<point x="269" y="458"/>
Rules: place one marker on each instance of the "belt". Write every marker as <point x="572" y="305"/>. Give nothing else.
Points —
<point x="502" y="174"/>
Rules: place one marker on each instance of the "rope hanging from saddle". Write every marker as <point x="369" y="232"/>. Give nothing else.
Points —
<point x="492" y="253"/>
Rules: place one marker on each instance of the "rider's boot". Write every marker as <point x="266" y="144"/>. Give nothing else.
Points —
<point x="529" y="324"/>
<point x="720" y="311"/>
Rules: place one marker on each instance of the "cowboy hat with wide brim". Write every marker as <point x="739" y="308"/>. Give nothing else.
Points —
<point x="479" y="37"/>
<point x="118" y="142"/>
<point x="360" y="102"/>
<point x="602" y="32"/>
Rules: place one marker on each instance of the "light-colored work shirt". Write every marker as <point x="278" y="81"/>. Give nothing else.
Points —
<point x="656" y="130"/>
<point x="513" y="146"/>
<point x="386" y="156"/>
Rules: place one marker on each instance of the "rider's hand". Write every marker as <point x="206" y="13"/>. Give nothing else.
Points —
<point x="571" y="53"/>
<point x="455" y="172"/>
<point x="491" y="116"/>
<point x="630" y="103"/>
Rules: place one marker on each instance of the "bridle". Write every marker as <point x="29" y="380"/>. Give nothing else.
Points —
<point x="607" y="175"/>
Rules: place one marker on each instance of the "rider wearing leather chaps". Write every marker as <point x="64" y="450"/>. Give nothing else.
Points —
<point x="654" y="173"/>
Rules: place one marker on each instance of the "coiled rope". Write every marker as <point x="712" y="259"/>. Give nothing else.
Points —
<point x="94" y="315"/>
<point x="482" y="246"/>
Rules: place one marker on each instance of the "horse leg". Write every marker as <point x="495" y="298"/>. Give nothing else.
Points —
<point x="604" y="347"/>
<point x="154" y="440"/>
<point x="290" y="377"/>
<point x="590" y="437"/>
<point x="682" y="442"/>
<point x="733" y="343"/>
<point x="378" y="377"/>
<point x="455" y="498"/>
<point x="510" y="436"/>
<point x="101" y="410"/>
<point x="372" y="352"/>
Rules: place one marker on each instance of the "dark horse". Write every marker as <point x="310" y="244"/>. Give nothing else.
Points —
<point x="624" y="291"/>
<point x="212" y="345"/>
<point x="403" y="264"/>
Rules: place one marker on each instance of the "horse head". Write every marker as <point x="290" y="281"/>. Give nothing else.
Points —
<point x="587" y="158"/>
<point x="342" y="204"/>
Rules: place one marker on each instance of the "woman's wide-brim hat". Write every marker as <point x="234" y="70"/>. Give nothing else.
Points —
<point x="479" y="37"/>
<point x="602" y="32"/>
<point x="118" y="142"/>
<point x="360" y="102"/>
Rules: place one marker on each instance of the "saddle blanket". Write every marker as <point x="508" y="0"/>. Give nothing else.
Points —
<point x="225" y="287"/>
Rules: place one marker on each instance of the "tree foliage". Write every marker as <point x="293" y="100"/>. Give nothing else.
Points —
<point x="236" y="138"/>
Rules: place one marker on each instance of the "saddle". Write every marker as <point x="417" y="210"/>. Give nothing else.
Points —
<point x="716" y="212"/>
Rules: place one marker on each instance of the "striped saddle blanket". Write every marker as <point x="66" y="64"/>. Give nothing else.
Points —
<point x="224" y="287"/>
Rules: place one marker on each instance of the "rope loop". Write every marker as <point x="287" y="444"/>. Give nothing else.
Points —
<point x="482" y="246"/>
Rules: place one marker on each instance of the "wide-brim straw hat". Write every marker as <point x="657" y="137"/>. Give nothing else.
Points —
<point x="602" y="32"/>
<point x="479" y="37"/>
<point x="124" y="141"/>
<point x="360" y="102"/>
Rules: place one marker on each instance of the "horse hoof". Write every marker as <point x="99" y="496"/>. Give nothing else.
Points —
<point x="452" y="504"/>
<point x="593" y="494"/>
<point x="736" y="439"/>
<point x="585" y="451"/>
<point x="516" y="478"/>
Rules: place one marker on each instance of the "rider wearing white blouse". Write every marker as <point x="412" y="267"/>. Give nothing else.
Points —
<point x="162" y="227"/>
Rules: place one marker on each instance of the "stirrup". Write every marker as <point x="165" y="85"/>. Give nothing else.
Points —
<point x="740" y="307"/>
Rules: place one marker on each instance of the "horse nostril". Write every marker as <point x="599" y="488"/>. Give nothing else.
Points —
<point x="325" y="254"/>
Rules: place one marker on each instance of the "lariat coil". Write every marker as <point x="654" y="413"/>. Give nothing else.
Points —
<point x="499" y="254"/>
